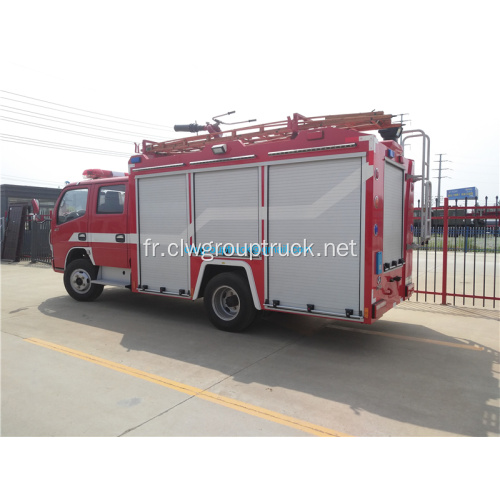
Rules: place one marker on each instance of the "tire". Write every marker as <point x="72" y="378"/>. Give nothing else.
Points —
<point x="229" y="302"/>
<point x="77" y="280"/>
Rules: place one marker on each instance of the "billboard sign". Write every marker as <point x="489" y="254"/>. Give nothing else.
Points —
<point x="462" y="193"/>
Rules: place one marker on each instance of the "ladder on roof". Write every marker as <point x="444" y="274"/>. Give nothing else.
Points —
<point x="273" y="131"/>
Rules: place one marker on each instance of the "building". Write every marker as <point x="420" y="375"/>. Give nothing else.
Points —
<point x="12" y="193"/>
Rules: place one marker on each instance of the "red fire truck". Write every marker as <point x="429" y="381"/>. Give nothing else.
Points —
<point x="308" y="216"/>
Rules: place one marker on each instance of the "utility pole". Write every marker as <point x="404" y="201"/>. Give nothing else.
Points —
<point x="439" y="175"/>
<point x="401" y="115"/>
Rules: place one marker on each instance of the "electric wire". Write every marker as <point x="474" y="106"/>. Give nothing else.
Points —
<point x="65" y="131"/>
<point x="70" y="127"/>
<point x="153" y="125"/>
<point x="28" y="179"/>
<point x="78" y="114"/>
<point x="63" y="147"/>
<point x="67" y="121"/>
<point x="57" y="145"/>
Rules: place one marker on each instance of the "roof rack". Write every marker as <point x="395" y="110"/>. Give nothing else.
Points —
<point x="273" y="131"/>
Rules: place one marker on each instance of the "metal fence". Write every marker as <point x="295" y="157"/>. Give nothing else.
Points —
<point x="460" y="263"/>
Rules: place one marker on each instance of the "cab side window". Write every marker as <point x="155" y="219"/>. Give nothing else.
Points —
<point x="111" y="199"/>
<point x="72" y="206"/>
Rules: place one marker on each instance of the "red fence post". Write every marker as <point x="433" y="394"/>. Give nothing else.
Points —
<point x="445" y="250"/>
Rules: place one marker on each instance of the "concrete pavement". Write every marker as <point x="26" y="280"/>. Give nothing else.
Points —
<point x="131" y="365"/>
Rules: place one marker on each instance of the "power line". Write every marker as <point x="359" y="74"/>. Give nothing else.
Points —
<point x="57" y="145"/>
<point x="49" y="142"/>
<point x="66" y="121"/>
<point x="155" y="125"/>
<point x="63" y="147"/>
<point x="48" y="127"/>
<point x="27" y="179"/>
<point x="78" y="114"/>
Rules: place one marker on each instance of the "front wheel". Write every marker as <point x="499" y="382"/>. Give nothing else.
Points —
<point x="229" y="302"/>
<point x="78" y="278"/>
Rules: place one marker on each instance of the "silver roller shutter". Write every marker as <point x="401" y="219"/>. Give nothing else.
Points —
<point x="393" y="214"/>
<point x="227" y="207"/>
<point x="318" y="201"/>
<point x="163" y="218"/>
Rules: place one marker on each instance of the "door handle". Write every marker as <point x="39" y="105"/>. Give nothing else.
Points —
<point x="120" y="238"/>
<point x="82" y="237"/>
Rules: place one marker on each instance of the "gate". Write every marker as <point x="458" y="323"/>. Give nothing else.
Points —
<point x="460" y="264"/>
<point x="36" y="242"/>
<point x="13" y="238"/>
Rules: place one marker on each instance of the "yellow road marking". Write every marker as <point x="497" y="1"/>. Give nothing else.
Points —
<point x="234" y="404"/>
<point x="406" y="337"/>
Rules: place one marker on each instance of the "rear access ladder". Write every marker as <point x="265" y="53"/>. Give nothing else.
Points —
<point x="426" y="189"/>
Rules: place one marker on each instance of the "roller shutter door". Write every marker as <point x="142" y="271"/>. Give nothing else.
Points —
<point x="227" y="207"/>
<point x="163" y="218"/>
<point x="393" y="214"/>
<point x="320" y="202"/>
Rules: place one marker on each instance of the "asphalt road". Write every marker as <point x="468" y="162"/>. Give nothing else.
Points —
<point x="132" y="365"/>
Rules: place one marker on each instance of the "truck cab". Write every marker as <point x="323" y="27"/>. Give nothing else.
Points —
<point x="89" y="235"/>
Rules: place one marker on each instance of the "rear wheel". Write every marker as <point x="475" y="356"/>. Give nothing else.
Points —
<point x="78" y="280"/>
<point x="229" y="302"/>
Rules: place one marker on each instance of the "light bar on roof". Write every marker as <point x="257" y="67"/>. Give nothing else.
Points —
<point x="97" y="173"/>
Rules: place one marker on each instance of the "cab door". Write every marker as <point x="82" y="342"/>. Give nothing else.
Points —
<point x="109" y="225"/>
<point x="70" y="224"/>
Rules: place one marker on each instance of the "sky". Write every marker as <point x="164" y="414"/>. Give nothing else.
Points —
<point x="140" y="68"/>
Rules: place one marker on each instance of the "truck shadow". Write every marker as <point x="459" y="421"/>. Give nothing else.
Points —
<point x="430" y="385"/>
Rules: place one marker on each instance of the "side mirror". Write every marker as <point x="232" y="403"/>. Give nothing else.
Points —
<point x="36" y="206"/>
<point x="36" y="212"/>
